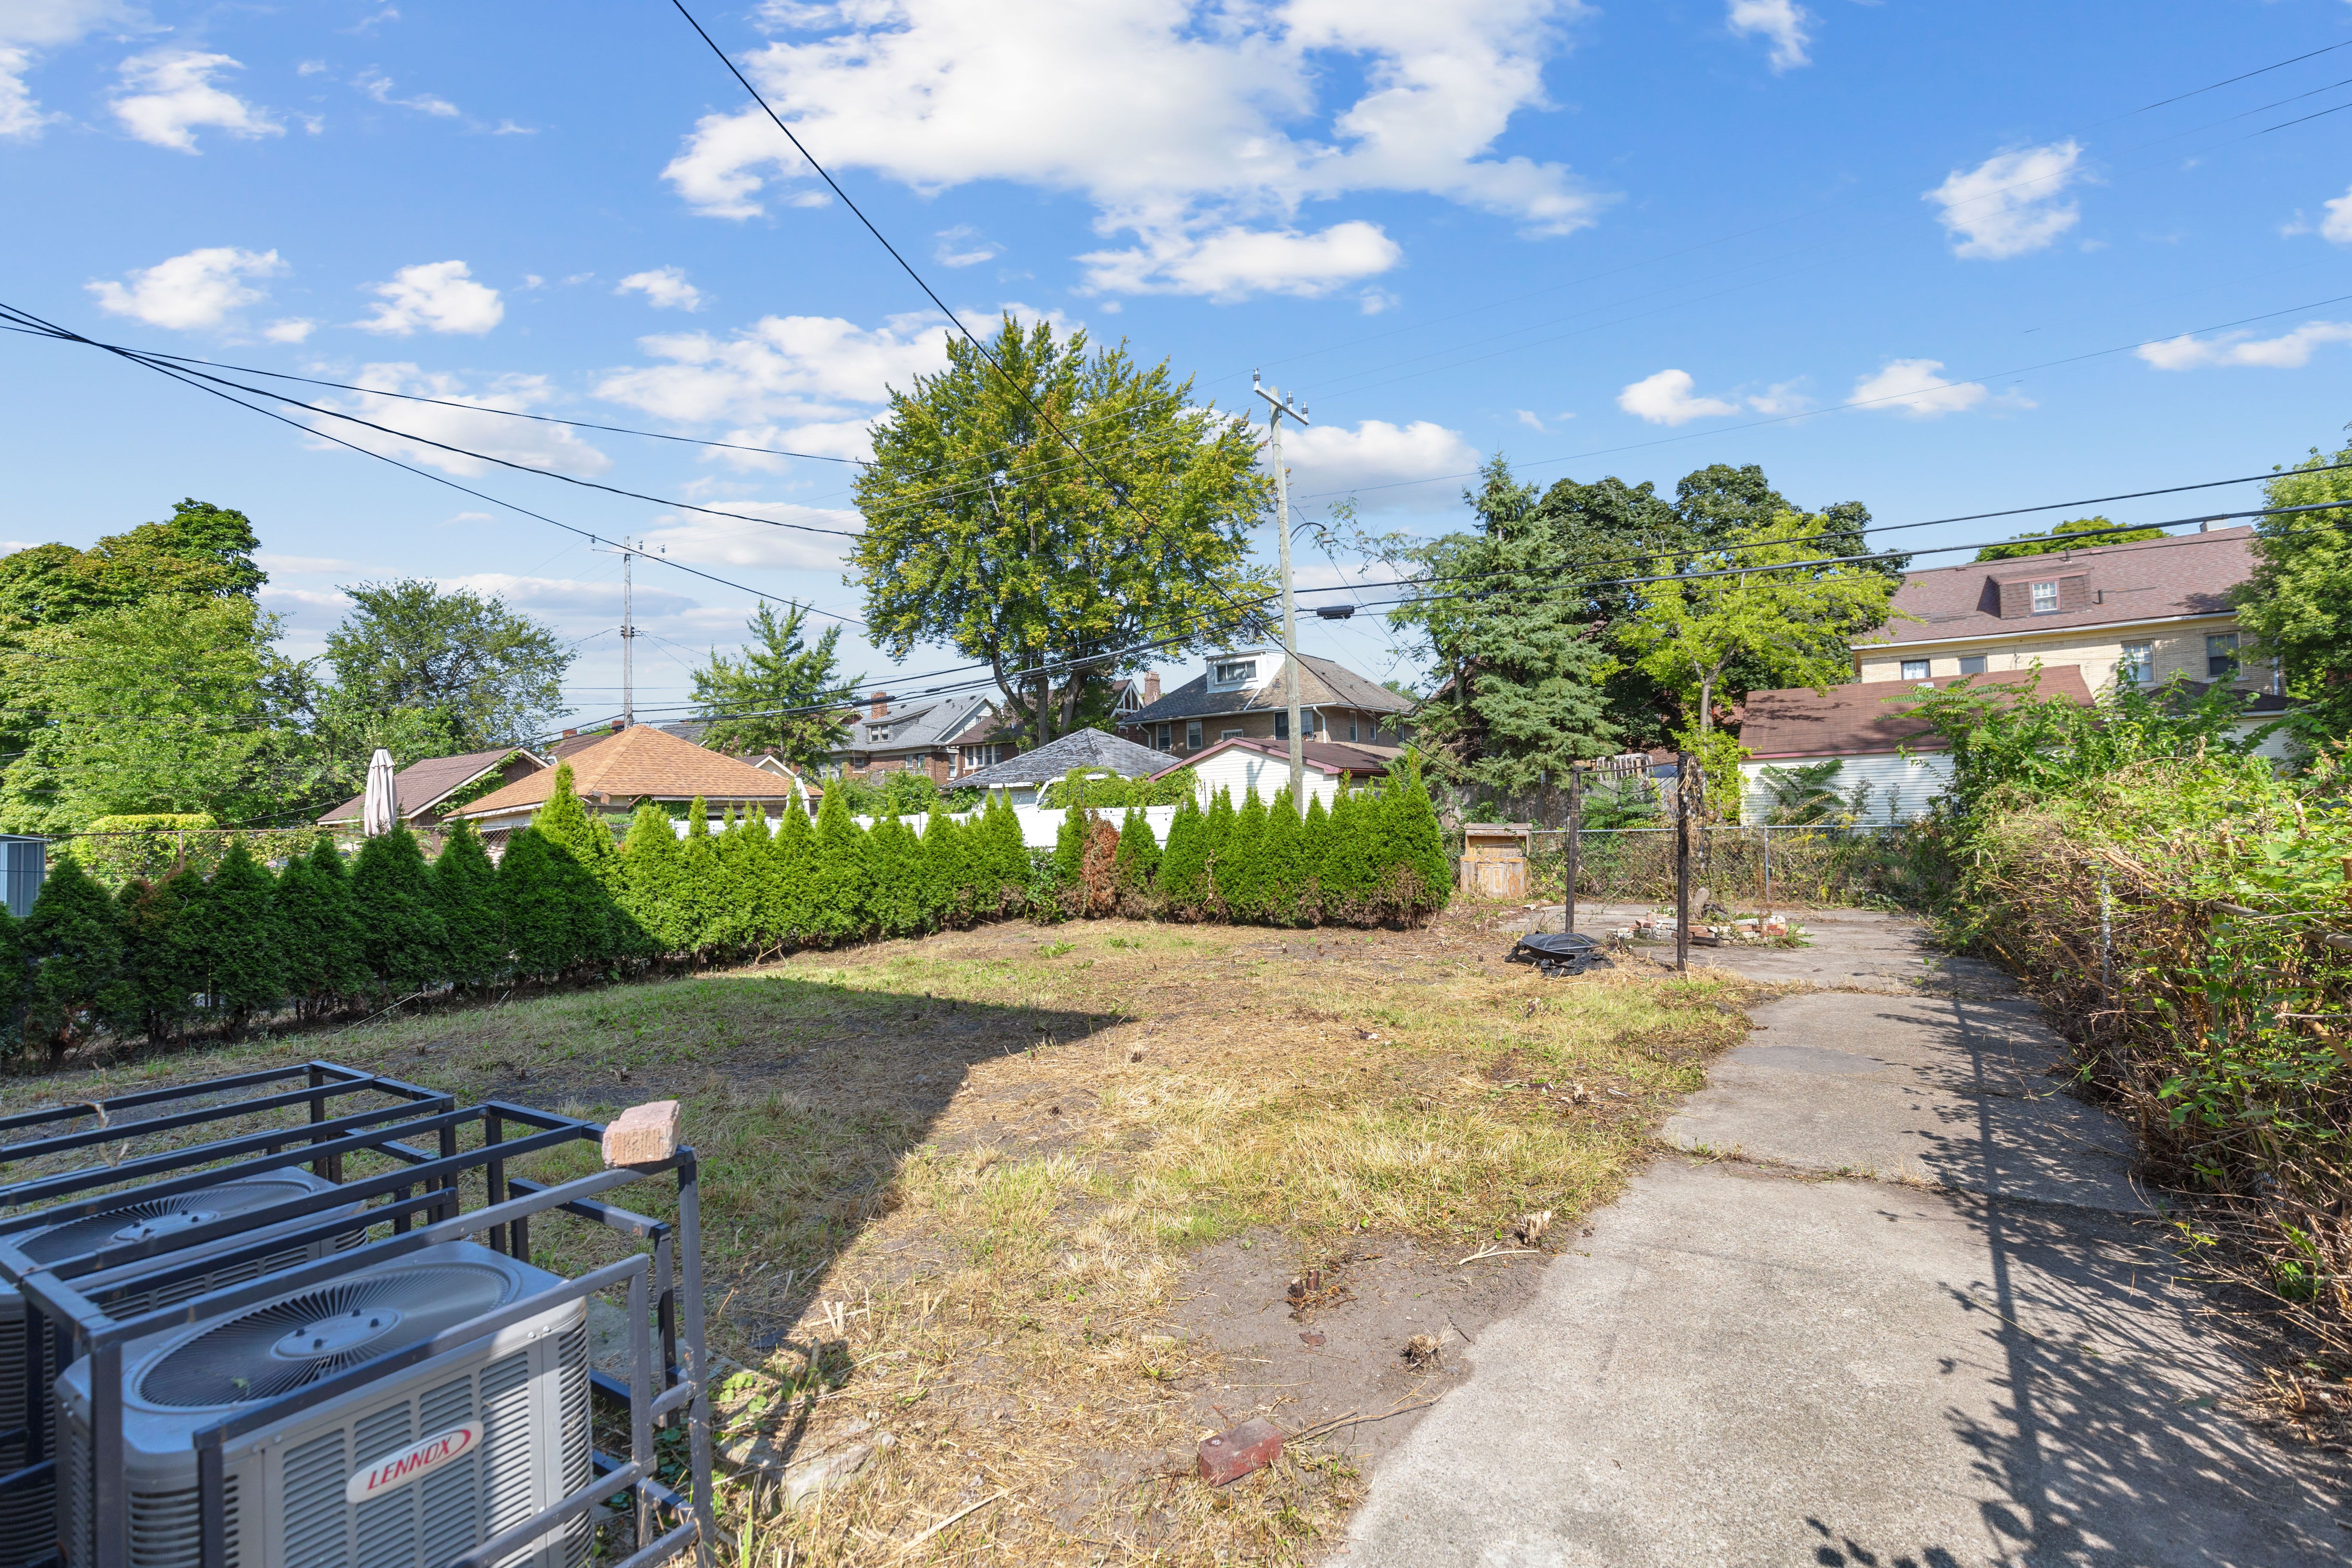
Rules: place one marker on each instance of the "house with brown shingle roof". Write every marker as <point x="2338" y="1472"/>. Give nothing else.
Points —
<point x="640" y="764"/>
<point x="424" y="789"/>
<point x="2145" y="612"/>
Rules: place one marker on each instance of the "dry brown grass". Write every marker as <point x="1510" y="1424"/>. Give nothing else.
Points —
<point x="951" y="1188"/>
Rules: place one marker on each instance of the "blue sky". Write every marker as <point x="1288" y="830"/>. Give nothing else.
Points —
<point x="1896" y="253"/>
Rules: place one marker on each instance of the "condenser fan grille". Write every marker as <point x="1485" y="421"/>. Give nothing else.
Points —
<point x="287" y="1344"/>
<point x="158" y="1217"/>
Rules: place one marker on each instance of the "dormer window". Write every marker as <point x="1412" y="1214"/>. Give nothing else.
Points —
<point x="2046" y="597"/>
<point x="1233" y="672"/>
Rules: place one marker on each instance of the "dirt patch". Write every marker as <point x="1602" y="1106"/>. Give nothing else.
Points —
<point x="1340" y="1358"/>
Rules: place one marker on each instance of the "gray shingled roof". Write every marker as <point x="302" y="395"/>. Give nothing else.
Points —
<point x="1078" y="749"/>
<point x="918" y="725"/>
<point x="1322" y="684"/>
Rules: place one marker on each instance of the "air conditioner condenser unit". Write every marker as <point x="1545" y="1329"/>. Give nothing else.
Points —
<point x="407" y="1471"/>
<point x="27" y="1532"/>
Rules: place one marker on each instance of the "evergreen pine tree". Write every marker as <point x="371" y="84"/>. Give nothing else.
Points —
<point x="535" y="895"/>
<point x="791" y="876"/>
<point x="466" y="893"/>
<point x="701" y="891"/>
<point x="1184" y="862"/>
<point x="649" y="861"/>
<point x="158" y="991"/>
<point x="1137" y="860"/>
<point x="1282" y="874"/>
<point x="843" y="886"/>
<point x="1314" y="849"/>
<point x="324" y="962"/>
<point x="74" y="935"/>
<point x="400" y="928"/>
<point x="230" y="939"/>
<point x="1240" y="885"/>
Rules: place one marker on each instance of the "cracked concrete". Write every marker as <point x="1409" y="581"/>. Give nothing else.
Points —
<point x="1978" y="1352"/>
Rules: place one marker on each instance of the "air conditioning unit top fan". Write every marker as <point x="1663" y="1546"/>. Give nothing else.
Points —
<point x="405" y="1472"/>
<point x="25" y="1536"/>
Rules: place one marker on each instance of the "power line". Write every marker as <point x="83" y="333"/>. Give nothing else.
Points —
<point x="186" y="379"/>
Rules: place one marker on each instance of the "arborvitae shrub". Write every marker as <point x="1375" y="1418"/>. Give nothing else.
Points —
<point x="896" y="856"/>
<point x="1070" y="845"/>
<point x="1313" y="847"/>
<point x="325" y="958"/>
<point x="843" y="886"/>
<point x="1133" y="867"/>
<point x="1240" y="885"/>
<point x="535" y="895"/>
<point x="733" y="919"/>
<point x="567" y="825"/>
<point x="16" y="978"/>
<point x="1281" y="875"/>
<point x="702" y="885"/>
<point x="750" y="921"/>
<point x="1416" y="844"/>
<point x="791" y="876"/>
<point x="1006" y="855"/>
<point x="649" y="865"/>
<point x="1217" y="832"/>
<point x="465" y="891"/>
<point x="1185" y="864"/>
<point x="159" y="991"/>
<point x="399" y="930"/>
<point x="946" y="886"/>
<point x="231" y="940"/>
<point x="1349" y="880"/>
<point x="75" y="934"/>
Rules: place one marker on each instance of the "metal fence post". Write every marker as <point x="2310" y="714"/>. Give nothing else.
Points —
<point x="1682" y="860"/>
<point x="1575" y="833"/>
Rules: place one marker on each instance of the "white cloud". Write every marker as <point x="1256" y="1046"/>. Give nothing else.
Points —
<point x="1912" y="387"/>
<point x="1782" y="21"/>
<point x="270" y="561"/>
<point x="2337" y="225"/>
<point x="2289" y="351"/>
<point x="1185" y="122"/>
<point x="781" y="368"/>
<point x="378" y="85"/>
<point x="29" y="25"/>
<point x="439" y="296"/>
<point x="1667" y="398"/>
<point x="166" y="94"/>
<point x="1324" y="458"/>
<point x="819" y="438"/>
<point x="665" y="288"/>
<point x="293" y="330"/>
<point x="1235" y="263"/>
<point x="561" y="595"/>
<point x="726" y="541"/>
<point x="197" y="290"/>
<point x="963" y="247"/>
<point x="554" y="447"/>
<point x="1530" y="418"/>
<point x="2009" y="203"/>
<point x="1780" y="397"/>
<point x="1374" y="301"/>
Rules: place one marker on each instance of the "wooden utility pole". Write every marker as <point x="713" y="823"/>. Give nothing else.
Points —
<point x="1277" y="406"/>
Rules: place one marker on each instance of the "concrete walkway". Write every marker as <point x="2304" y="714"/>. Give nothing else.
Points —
<point x="1900" y="1306"/>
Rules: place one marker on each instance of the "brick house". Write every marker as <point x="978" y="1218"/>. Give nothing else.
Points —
<point x="928" y="735"/>
<point x="1242" y="695"/>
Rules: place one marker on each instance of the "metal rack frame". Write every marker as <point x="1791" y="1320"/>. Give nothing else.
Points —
<point x="69" y="1297"/>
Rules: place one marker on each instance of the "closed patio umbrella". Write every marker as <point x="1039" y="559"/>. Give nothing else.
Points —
<point x="380" y="810"/>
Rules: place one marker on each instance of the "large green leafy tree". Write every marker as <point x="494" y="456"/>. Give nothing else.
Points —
<point x="2062" y="536"/>
<point x="423" y="671"/>
<point x="175" y="704"/>
<point x="985" y="532"/>
<point x="2297" y="604"/>
<point x="203" y="552"/>
<point x="780" y="694"/>
<point x="1753" y="613"/>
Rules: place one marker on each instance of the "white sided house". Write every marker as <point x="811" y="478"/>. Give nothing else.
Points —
<point x="1870" y="729"/>
<point x="1242" y="765"/>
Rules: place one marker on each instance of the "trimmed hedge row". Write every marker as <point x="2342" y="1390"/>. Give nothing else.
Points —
<point x="189" y="950"/>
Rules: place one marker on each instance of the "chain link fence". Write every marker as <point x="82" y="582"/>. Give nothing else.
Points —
<point x="1751" y="866"/>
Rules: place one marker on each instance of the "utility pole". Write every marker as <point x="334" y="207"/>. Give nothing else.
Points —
<point x="628" y="637"/>
<point x="1277" y="406"/>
